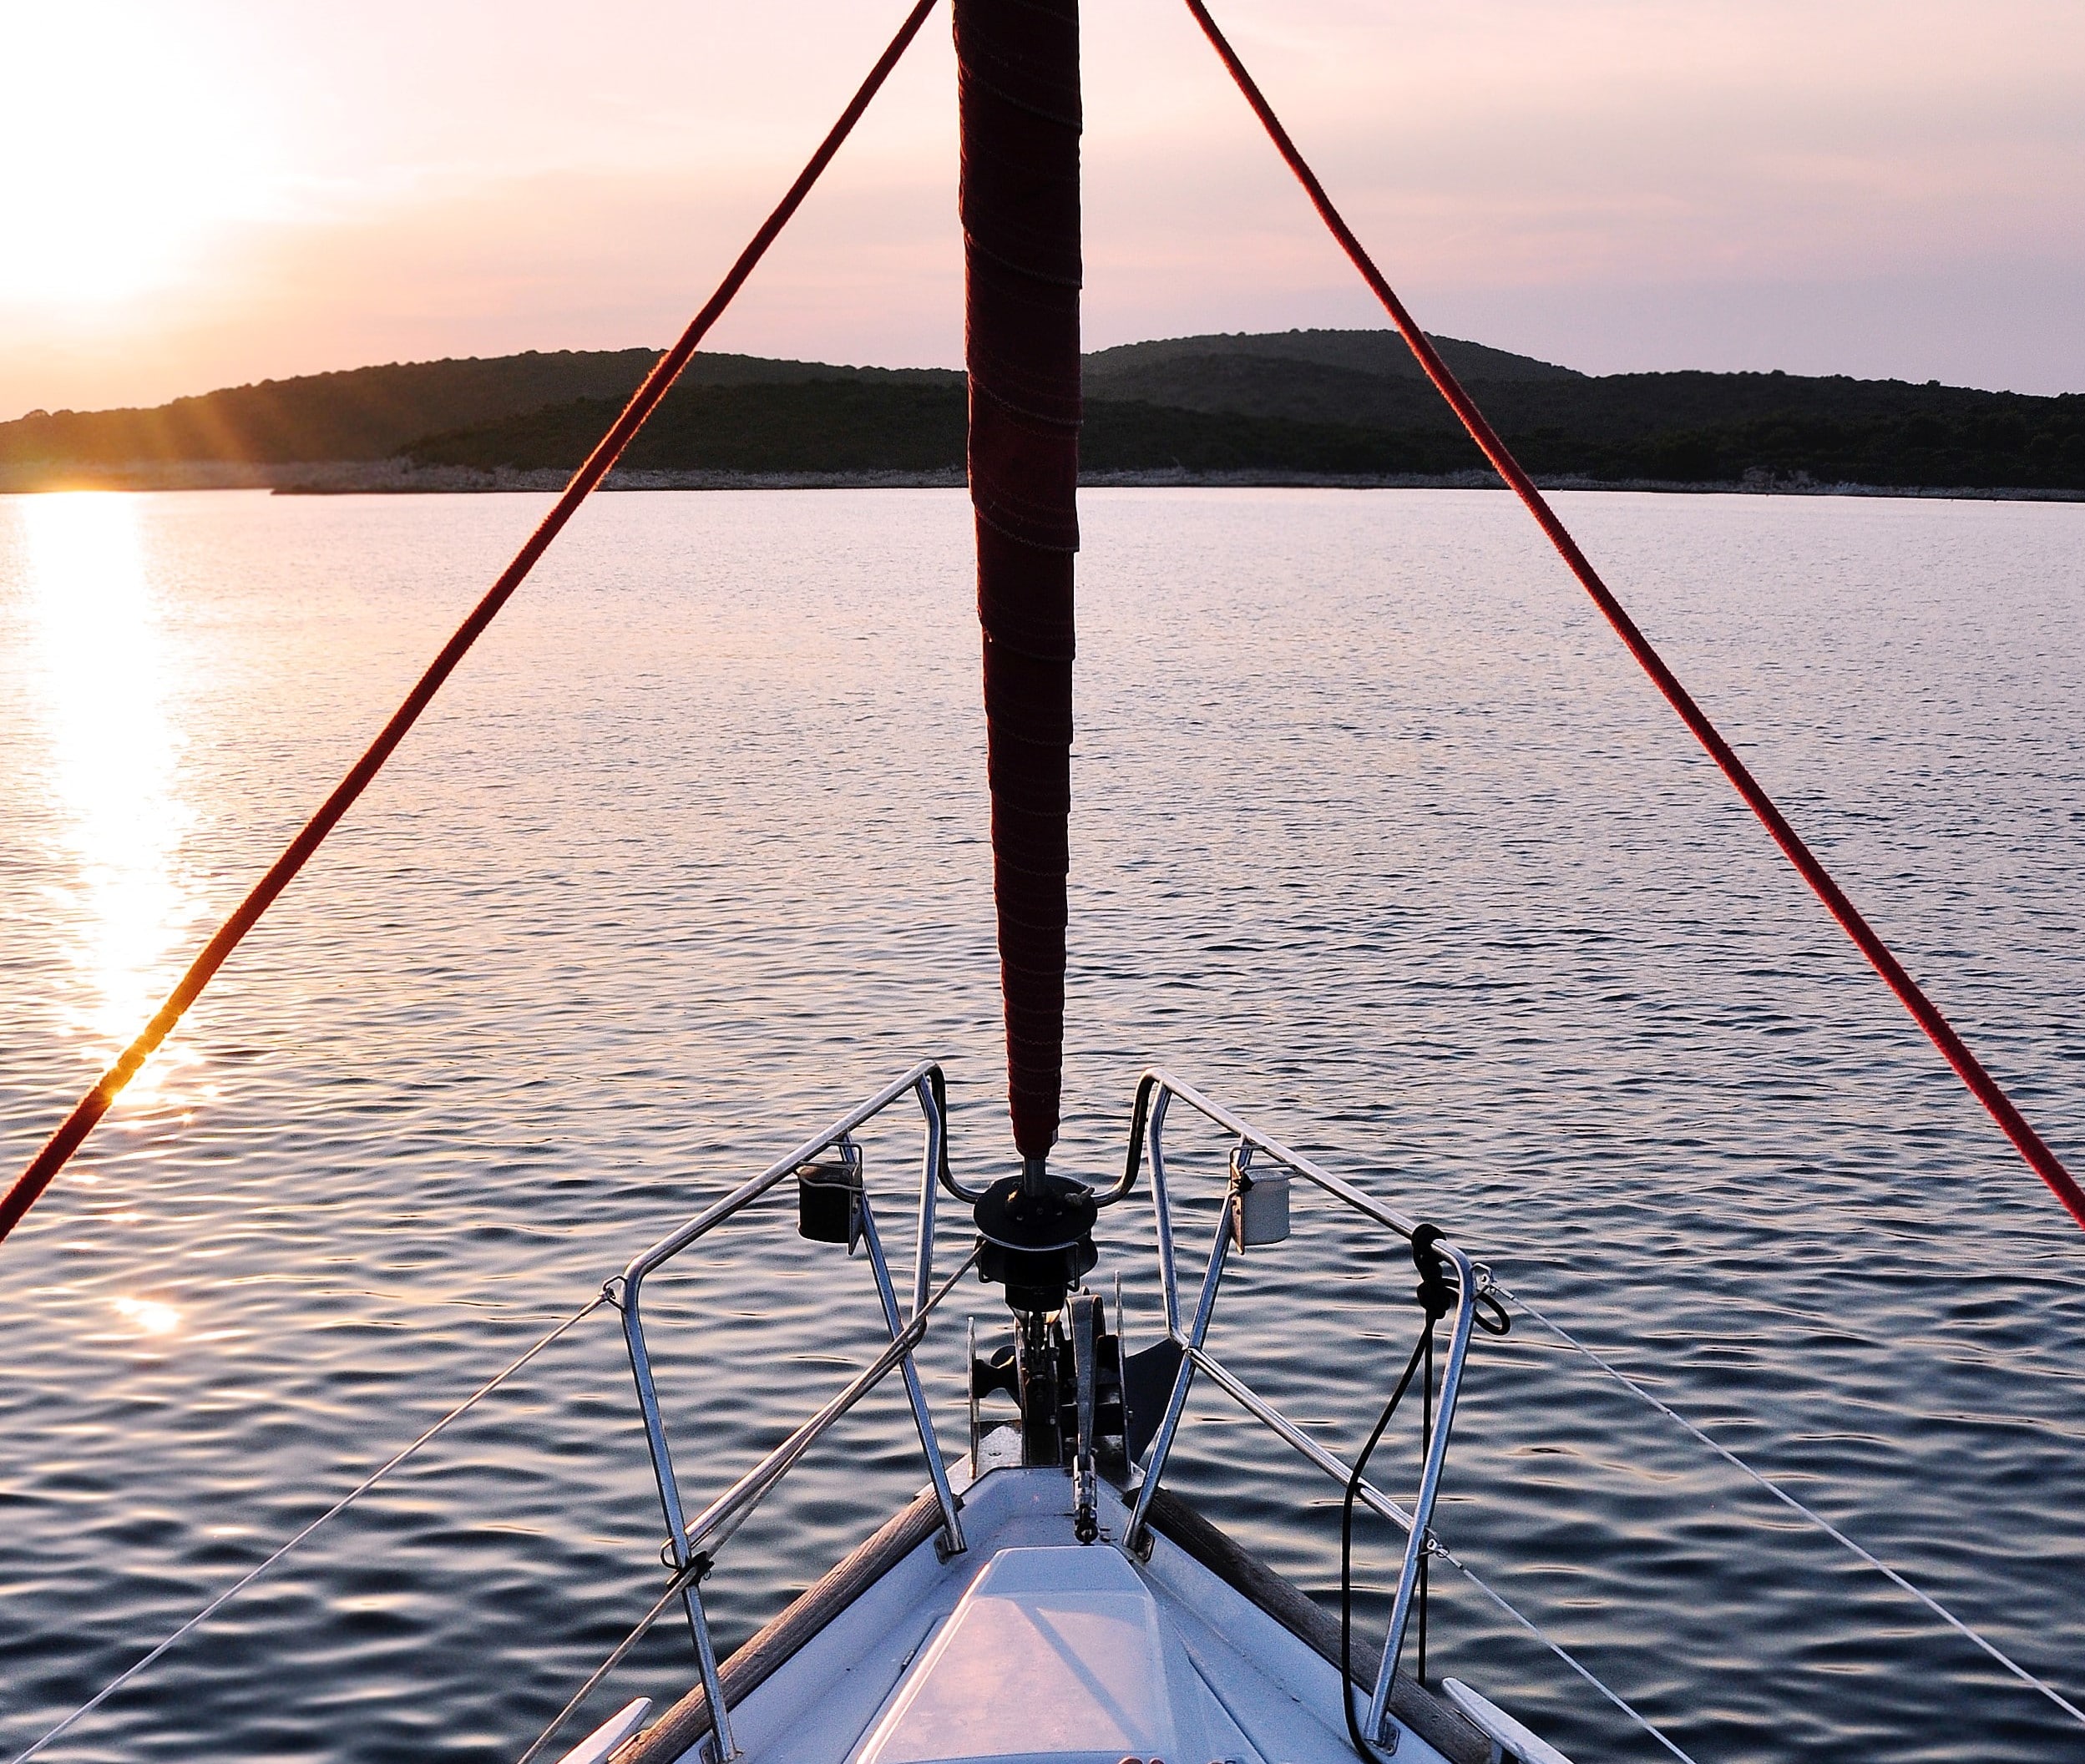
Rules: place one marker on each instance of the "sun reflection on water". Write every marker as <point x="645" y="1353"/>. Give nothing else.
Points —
<point x="119" y="819"/>
<point x="151" y="1316"/>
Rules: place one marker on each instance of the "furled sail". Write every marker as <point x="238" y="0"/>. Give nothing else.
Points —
<point x="1018" y="66"/>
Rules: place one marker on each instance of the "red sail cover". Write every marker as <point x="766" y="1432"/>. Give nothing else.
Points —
<point x="1018" y="68"/>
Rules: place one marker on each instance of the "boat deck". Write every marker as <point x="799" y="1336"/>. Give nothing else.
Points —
<point x="1028" y="1648"/>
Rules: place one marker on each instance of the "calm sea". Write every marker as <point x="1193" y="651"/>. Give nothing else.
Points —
<point x="1378" y="836"/>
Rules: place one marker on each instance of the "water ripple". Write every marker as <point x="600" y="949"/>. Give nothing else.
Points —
<point x="1378" y="835"/>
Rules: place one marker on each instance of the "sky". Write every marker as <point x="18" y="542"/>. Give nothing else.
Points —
<point x="206" y="192"/>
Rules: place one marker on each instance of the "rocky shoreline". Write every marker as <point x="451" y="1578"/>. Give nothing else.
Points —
<point x="403" y="477"/>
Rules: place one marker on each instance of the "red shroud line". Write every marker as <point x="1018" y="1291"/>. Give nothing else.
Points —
<point x="37" y="1174"/>
<point x="1925" y="1013"/>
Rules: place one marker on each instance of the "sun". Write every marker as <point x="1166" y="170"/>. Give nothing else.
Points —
<point x="124" y="151"/>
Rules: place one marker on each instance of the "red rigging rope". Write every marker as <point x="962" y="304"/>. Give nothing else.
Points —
<point x="1018" y="68"/>
<point x="1924" y="1012"/>
<point x="37" y="1176"/>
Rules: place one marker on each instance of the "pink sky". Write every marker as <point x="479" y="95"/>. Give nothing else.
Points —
<point x="222" y="190"/>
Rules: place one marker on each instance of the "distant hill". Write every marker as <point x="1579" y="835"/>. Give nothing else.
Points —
<point x="374" y="412"/>
<point x="863" y="425"/>
<point x="1380" y="352"/>
<point x="836" y="423"/>
<point x="1317" y="403"/>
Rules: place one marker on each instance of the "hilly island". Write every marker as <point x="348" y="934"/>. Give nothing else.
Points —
<point x="1301" y="407"/>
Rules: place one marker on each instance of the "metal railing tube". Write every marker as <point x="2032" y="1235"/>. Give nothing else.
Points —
<point x="712" y="1682"/>
<point x="1162" y="1086"/>
<point x="929" y="1442"/>
<point x="747" y="1192"/>
<point x="969" y="1197"/>
<point x="1161" y="1206"/>
<point x="724" y="1515"/>
<point x="1184" y="1380"/>
<point x="1140" y="1109"/>
<point x="936" y="1155"/>
<point x="661" y="1456"/>
<point x="1421" y="1537"/>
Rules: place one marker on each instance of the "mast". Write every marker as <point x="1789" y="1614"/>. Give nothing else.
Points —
<point x="1018" y="72"/>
